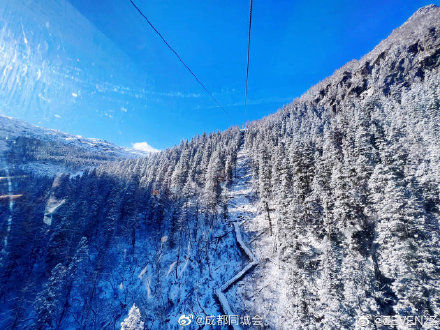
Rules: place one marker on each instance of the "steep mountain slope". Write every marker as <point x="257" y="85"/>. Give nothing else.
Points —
<point x="352" y="170"/>
<point x="322" y="215"/>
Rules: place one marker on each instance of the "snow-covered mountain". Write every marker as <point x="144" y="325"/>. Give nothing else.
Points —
<point x="48" y="152"/>
<point x="322" y="215"/>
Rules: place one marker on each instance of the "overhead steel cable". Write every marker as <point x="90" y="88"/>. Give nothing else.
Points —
<point x="179" y="58"/>
<point x="248" y="51"/>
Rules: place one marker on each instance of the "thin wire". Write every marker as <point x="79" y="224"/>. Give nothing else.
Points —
<point x="178" y="56"/>
<point x="248" y="51"/>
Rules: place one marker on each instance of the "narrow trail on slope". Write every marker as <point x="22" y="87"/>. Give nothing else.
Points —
<point x="240" y="209"/>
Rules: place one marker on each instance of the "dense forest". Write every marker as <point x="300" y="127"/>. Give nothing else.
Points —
<point x="339" y="197"/>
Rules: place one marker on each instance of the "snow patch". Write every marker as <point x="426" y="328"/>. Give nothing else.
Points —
<point x="171" y="268"/>
<point x="142" y="273"/>
<point x="52" y="205"/>
<point x="76" y="174"/>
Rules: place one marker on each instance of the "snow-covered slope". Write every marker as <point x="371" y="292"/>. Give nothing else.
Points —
<point x="11" y="128"/>
<point x="48" y="152"/>
<point x="324" y="215"/>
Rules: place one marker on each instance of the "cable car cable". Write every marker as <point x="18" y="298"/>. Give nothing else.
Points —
<point x="179" y="58"/>
<point x="248" y="51"/>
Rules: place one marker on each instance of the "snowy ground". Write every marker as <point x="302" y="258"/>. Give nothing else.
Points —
<point x="241" y="210"/>
<point x="260" y="291"/>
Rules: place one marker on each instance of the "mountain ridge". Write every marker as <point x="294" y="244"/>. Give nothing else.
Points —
<point x="428" y="16"/>
<point x="339" y="190"/>
<point x="20" y="127"/>
<point x="84" y="152"/>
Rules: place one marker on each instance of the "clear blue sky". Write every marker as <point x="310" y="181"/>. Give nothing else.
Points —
<point x="295" y="44"/>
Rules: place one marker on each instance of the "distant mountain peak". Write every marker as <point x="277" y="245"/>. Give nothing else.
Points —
<point x="405" y="57"/>
<point x="425" y="9"/>
<point x="44" y="145"/>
